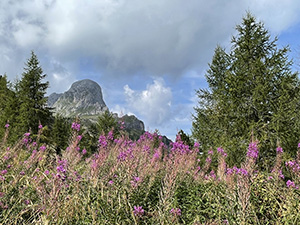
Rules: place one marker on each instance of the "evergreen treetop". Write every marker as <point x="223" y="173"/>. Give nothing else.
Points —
<point x="32" y="90"/>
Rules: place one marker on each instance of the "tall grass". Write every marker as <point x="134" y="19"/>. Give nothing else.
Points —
<point x="141" y="182"/>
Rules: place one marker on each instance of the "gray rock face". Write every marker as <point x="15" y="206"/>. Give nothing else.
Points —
<point x="82" y="99"/>
<point x="53" y="98"/>
<point x="132" y="123"/>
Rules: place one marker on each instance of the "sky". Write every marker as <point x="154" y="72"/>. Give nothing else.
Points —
<point x="149" y="57"/>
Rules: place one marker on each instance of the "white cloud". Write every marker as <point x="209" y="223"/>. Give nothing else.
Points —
<point x="153" y="104"/>
<point x="132" y="37"/>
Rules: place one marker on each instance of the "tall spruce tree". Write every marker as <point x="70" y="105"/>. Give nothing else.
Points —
<point x="251" y="88"/>
<point x="31" y="92"/>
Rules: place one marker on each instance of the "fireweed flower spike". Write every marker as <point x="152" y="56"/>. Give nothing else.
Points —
<point x="176" y="211"/>
<point x="252" y="150"/>
<point x="138" y="210"/>
<point x="279" y="150"/>
<point x="75" y="126"/>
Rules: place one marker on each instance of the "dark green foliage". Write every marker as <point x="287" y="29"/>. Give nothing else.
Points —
<point x="60" y="133"/>
<point x="204" y="202"/>
<point x="106" y="122"/>
<point x="186" y="139"/>
<point x="9" y="105"/>
<point x="251" y="88"/>
<point x="31" y="93"/>
<point x="90" y="139"/>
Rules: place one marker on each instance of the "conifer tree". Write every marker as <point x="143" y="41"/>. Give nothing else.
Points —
<point x="251" y="88"/>
<point x="8" y="104"/>
<point x="60" y="133"/>
<point x="32" y="90"/>
<point x="106" y="122"/>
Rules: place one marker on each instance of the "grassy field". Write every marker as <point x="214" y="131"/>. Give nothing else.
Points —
<point x="142" y="182"/>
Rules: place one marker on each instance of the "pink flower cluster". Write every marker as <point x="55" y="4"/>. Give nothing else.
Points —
<point x="75" y="126"/>
<point x="279" y="150"/>
<point x="291" y="184"/>
<point x="293" y="165"/>
<point x="138" y="210"/>
<point x="252" y="150"/>
<point x="102" y="141"/>
<point x="176" y="211"/>
<point x="222" y="152"/>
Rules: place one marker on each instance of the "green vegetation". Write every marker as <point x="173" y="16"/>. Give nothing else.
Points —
<point x="141" y="182"/>
<point x="251" y="89"/>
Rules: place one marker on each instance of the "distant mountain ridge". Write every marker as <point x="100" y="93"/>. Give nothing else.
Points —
<point x="85" y="100"/>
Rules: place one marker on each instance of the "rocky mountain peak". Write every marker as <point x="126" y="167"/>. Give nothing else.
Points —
<point x="83" y="98"/>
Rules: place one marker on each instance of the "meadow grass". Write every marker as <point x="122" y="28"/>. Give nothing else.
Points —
<point x="142" y="182"/>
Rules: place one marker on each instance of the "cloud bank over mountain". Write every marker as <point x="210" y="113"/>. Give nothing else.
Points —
<point x="152" y="44"/>
<point x="128" y="37"/>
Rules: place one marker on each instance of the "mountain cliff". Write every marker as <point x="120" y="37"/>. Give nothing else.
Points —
<point x="85" y="99"/>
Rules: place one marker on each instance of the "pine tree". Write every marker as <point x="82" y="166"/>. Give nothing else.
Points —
<point x="251" y="88"/>
<point x="33" y="103"/>
<point x="106" y="122"/>
<point x="8" y="104"/>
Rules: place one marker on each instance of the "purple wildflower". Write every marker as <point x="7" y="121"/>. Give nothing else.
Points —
<point x="290" y="163"/>
<point x="6" y="125"/>
<point x="252" y="150"/>
<point x="280" y="174"/>
<point x="61" y="169"/>
<point x="298" y="145"/>
<point x="176" y="211"/>
<point x="220" y="150"/>
<point x="243" y="171"/>
<point x="156" y="155"/>
<point x="26" y="202"/>
<point x="110" y="135"/>
<point x="40" y="126"/>
<point x="111" y="182"/>
<point x="4" y="172"/>
<point x="279" y="150"/>
<point x="46" y="172"/>
<point x="75" y="126"/>
<point x="196" y="145"/>
<point x="208" y="160"/>
<point x="210" y="152"/>
<point x="22" y="173"/>
<point x="102" y="141"/>
<point x="122" y="156"/>
<point x="229" y="171"/>
<point x="79" y="137"/>
<point x="290" y="183"/>
<point x="136" y="179"/>
<point x="138" y="210"/>
<point x="212" y="174"/>
<point x="43" y="148"/>
<point x="84" y="151"/>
